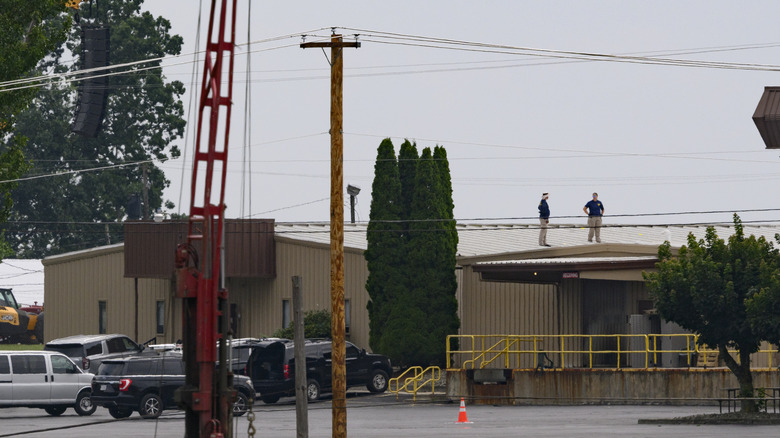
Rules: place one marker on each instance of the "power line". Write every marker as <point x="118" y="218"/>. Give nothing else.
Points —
<point x="75" y="172"/>
<point x="459" y="220"/>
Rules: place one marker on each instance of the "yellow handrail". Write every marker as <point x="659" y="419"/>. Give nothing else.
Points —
<point x="416" y="380"/>
<point x="480" y="351"/>
<point x="415" y="370"/>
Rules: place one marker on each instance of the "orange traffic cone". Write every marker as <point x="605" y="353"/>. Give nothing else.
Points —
<point x="462" y="417"/>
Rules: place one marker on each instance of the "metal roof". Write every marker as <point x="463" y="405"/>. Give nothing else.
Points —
<point x="570" y="260"/>
<point x="493" y="239"/>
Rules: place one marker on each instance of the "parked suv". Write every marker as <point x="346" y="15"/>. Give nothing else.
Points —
<point x="271" y="366"/>
<point x="90" y="350"/>
<point x="146" y="383"/>
<point x="44" y="379"/>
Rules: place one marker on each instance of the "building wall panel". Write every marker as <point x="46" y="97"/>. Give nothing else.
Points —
<point x="260" y="301"/>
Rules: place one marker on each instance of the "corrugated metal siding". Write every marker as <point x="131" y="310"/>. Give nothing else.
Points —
<point x="72" y="290"/>
<point x="74" y="286"/>
<point x="570" y="317"/>
<point x="260" y="301"/>
<point x="505" y="308"/>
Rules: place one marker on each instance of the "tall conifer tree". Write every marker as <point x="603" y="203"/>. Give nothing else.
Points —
<point x="412" y="280"/>
<point x="384" y="254"/>
<point x="407" y="169"/>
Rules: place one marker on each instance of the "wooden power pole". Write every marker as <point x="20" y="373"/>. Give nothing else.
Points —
<point x="339" y="381"/>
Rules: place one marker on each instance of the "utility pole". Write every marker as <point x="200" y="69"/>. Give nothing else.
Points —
<point x="339" y="349"/>
<point x="301" y="402"/>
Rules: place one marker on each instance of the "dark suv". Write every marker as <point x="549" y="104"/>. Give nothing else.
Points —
<point x="88" y="351"/>
<point x="146" y="383"/>
<point x="271" y="366"/>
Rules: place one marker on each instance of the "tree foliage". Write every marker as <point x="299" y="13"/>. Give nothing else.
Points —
<point x="29" y="31"/>
<point x="385" y="241"/>
<point x="143" y="117"/>
<point x="316" y="324"/>
<point x="412" y="280"/>
<point x="707" y="289"/>
<point x="407" y="171"/>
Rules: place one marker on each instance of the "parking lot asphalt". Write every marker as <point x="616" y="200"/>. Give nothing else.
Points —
<point x="370" y="415"/>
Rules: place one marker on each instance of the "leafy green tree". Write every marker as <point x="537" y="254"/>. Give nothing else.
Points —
<point x="385" y="251"/>
<point x="143" y="118"/>
<point x="706" y="290"/>
<point x="763" y="308"/>
<point x="28" y="32"/>
<point x="316" y="324"/>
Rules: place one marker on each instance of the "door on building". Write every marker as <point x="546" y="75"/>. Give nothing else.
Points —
<point x="603" y="313"/>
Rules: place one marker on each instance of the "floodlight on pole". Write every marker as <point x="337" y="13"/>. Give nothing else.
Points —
<point x="353" y="191"/>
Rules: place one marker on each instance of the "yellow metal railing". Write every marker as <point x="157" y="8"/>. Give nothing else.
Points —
<point x="642" y="350"/>
<point x="414" y="379"/>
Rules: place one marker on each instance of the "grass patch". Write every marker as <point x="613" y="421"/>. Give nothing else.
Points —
<point x="21" y="347"/>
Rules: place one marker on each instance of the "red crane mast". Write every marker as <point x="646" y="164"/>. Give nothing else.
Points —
<point x="207" y="395"/>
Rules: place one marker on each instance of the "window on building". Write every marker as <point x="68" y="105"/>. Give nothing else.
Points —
<point x="347" y="318"/>
<point x="160" y="317"/>
<point x="102" y="318"/>
<point x="285" y="313"/>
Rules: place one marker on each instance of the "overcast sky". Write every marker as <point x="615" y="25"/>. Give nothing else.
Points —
<point x="648" y="138"/>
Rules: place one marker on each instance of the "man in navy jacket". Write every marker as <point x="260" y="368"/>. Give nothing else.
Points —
<point x="544" y="219"/>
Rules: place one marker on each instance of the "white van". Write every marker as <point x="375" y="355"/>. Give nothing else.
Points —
<point x="44" y="379"/>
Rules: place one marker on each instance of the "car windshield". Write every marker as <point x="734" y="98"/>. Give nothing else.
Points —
<point x="110" y="368"/>
<point x="70" y="350"/>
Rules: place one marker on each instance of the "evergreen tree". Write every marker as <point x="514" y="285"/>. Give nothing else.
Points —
<point x="143" y="117"/>
<point x="430" y="266"/>
<point x="445" y="185"/>
<point x="412" y="281"/>
<point x="384" y="254"/>
<point x="407" y="170"/>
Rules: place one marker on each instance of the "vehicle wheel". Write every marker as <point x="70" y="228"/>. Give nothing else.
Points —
<point x="120" y="412"/>
<point x="151" y="406"/>
<point x="84" y="404"/>
<point x="270" y="399"/>
<point x="378" y="381"/>
<point x="312" y="390"/>
<point x="241" y="405"/>
<point x="55" y="411"/>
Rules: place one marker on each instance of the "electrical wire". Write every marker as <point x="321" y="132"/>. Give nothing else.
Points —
<point x="193" y="94"/>
<point x="438" y="43"/>
<point x="247" y="155"/>
<point x="75" y="172"/>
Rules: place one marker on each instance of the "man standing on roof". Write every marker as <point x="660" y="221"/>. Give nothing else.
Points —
<point x="595" y="210"/>
<point x="544" y="219"/>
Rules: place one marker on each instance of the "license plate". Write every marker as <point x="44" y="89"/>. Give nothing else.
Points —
<point x="104" y="388"/>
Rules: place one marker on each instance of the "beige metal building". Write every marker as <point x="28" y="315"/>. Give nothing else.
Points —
<point x="507" y="283"/>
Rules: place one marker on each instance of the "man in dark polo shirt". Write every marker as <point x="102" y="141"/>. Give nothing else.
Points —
<point x="594" y="209"/>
